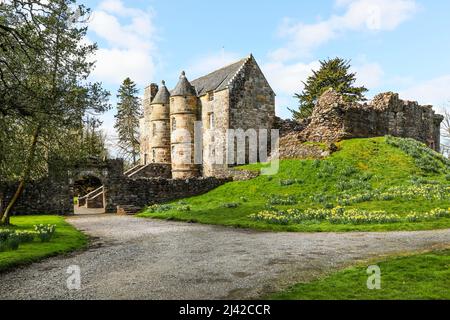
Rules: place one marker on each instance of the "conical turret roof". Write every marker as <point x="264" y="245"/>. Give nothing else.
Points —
<point x="184" y="87"/>
<point x="163" y="95"/>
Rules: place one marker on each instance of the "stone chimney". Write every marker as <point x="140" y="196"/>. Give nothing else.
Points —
<point x="150" y="93"/>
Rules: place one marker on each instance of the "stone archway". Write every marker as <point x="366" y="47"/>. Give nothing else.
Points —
<point x="101" y="199"/>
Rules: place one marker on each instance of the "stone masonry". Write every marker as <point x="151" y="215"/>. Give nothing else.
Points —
<point x="334" y="119"/>
<point x="237" y="96"/>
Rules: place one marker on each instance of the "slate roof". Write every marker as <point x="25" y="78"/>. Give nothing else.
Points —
<point x="183" y="88"/>
<point x="217" y="80"/>
<point x="163" y="95"/>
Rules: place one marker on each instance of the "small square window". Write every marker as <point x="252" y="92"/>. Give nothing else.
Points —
<point x="211" y="121"/>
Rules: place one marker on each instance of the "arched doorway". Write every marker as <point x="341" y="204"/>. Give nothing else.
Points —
<point x="89" y="195"/>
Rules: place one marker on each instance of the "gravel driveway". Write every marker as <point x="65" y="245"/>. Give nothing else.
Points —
<point x="134" y="258"/>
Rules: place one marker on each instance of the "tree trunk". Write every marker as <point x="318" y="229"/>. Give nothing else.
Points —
<point x="5" y="218"/>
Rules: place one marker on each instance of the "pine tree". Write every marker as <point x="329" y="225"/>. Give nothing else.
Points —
<point x="333" y="73"/>
<point x="127" y="120"/>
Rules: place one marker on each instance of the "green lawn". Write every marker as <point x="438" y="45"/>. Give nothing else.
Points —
<point x="66" y="239"/>
<point x="422" y="276"/>
<point x="360" y="166"/>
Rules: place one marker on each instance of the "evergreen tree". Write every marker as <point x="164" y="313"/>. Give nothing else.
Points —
<point x="333" y="73"/>
<point x="127" y="120"/>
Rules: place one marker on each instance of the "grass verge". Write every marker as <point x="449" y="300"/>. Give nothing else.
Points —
<point x="65" y="240"/>
<point x="423" y="276"/>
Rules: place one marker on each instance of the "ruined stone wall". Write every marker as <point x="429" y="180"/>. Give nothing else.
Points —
<point x="334" y="119"/>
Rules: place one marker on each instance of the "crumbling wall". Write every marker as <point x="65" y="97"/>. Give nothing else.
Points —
<point x="334" y="119"/>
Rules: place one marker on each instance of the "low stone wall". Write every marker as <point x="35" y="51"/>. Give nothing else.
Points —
<point x="154" y="170"/>
<point x="40" y="198"/>
<point x="142" y="192"/>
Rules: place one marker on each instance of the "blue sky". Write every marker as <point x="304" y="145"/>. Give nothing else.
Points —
<point x="395" y="45"/>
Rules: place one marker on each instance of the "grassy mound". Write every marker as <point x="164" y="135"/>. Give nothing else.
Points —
<point x="386" y="183"/>
<point x="66" y="239"/>
<point x="417" y="277"/>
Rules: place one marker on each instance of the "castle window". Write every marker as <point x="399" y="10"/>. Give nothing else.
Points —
<point x="174" y="124"/>
<point x="154" y="129"/>
<point x="211" y="121"/>
<point x="173" y="151"/>
<point x="154" y="155"/>
<point x="210" y="96"/>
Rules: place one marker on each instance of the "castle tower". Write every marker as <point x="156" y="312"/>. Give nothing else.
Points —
<point x="160" y="126"/>
<point x="145" y="123"/>
<point x="183" y="114"/>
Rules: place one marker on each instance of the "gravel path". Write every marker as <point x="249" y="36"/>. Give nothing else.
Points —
<point x="134" y="258"/>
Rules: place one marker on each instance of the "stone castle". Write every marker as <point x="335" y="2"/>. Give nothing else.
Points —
<point x="237" y="96"/>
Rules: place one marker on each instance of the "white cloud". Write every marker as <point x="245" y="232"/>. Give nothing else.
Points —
<point x="358" y="15"/>
<point x="287" y="79"/>
<point x="128" y="39"/>
<point x="435" y="92"/>
<point x="369" y="75"/>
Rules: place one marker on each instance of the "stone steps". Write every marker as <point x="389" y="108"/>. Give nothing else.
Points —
<point x="128" y="210"/>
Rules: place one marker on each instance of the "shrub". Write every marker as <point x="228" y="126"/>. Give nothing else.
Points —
<point x="327" y="170"/>
<point x="25" y="236"/>
<point x="159" y="208"/>
<point x="184" y="208"/>
<point x="348" y="171"/>
<point x="10" y="240"/>
<point x="230" y="205"/>
<point x="353" y="184"/>
<point x="279" y="200"/>
<point x="285" y="183"/>
<point x="4" y="234"/>
<point x="45" y="232"/>
<point x="243" y="199"/>
<point x="316" y="163"/>
<point x="13" y="241"/>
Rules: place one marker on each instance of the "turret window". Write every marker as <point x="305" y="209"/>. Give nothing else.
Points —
<point x="211" y="121"/>
<point x="174" y="124"/>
